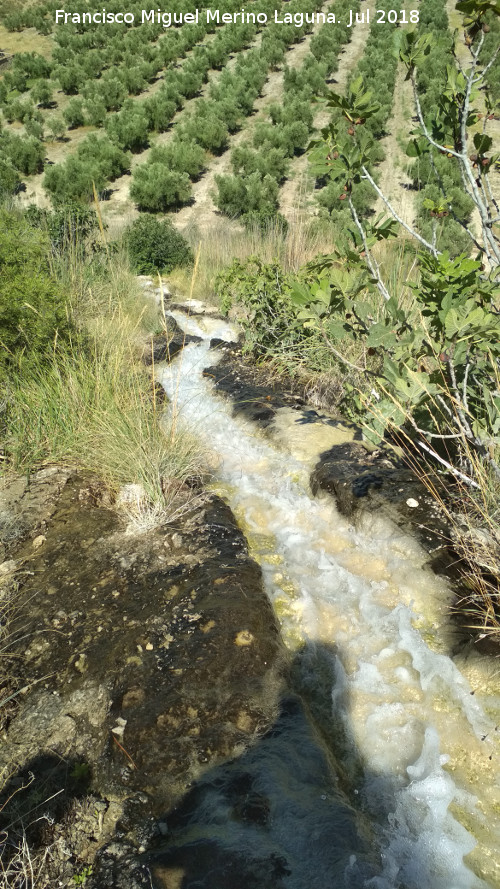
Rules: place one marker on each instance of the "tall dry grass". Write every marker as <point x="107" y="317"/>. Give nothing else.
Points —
<point x="466" y="491"/>
<point x="93" y="404"/>
<point x="226" y="242"/>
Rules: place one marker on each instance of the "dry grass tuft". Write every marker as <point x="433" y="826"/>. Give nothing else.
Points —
<point x="93" y="405"/>
<point x="472" y="513"/>
<point x="303" y="240"/>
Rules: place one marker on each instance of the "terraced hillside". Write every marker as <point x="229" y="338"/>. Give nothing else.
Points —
<point x="207" y="118"/>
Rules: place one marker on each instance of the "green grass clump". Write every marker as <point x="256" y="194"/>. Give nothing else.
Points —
<point x="91" y="410"/>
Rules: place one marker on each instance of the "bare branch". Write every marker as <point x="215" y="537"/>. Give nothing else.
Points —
<point x="443" y="149"/>
<point x="430" y="435"/>
<point x="341" y="357"/>
<point x="445" y="406"/>
<point x="370" y="260"/>
<point x="454" y="216"/>
<point x="464" y="158"/>
<point x="449" y="466"/>
<point x="491" y="248"/>
<point x="491" y="62"/>
<point x="492" y="198"/>
<point x="458" y="403"/>
<point x="396" y="216"/>
<point x="464" y="386"/>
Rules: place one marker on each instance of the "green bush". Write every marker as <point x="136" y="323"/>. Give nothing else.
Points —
<point x="72" y="227"/>
<point x="129" y="127"/>
<point x="157" y="189"/>
<point x="181" y="156"/>
<point x="19" y="109"/>
<point x="96" y="162"/>
<point x="42" y="93"/>
<point x="73" y="181"/>
<point x="155" y="245"/>
<point x="74" y="114"/>
<point x="237" y="196"/>
<point x="24" y="154"/>
<point x="33" y="307"/>
<point x="262" y="293"/>
<point x="265" y="221"/>
<point x="9" y="177"/>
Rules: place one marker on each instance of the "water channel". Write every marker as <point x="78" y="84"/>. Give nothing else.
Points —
<point x="417" y="732"/>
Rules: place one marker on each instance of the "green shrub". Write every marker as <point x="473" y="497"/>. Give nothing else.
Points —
<point x="35" y="129"/>
<point x="19" y="109"/>
<point x="9" y="177"/>
<point x="71" y="78"/>
<point x="155" y="245"/>
<point x="24" y="154"/>
<point x="265" y="221"/>
<point x="129" y="127"/>
<point x="42" y="93"/>
<point x="33" y="307"/>
<point x="74" y="114"/>
<point x="56" y="126"/>
<point x="158" y="189"/>
<point x="180" y="155"/>
<point x="69" y="227"/>
<point x="237" y="196"/>
<point x="73" y="181"/>
<point x="262" y="293"/>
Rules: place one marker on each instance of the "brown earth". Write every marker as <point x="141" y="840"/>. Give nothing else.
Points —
<point x="140" y="660"/>
<point x="394" y="182"/>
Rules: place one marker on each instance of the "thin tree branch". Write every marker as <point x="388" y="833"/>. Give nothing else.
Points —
<point x="464" y="385"/>
<point x="445" y="406"/>
<point x="458" y="404"/>
<point x="437" y="435"/>
<point x="370" y="260"/>
<point x="492" y="198"/>
<point x="491" y="62"/>
<point x="342" y="358"/>
<point x="440" y="182"/>
<point x="452" y="469"/>
<point x="396" y="216"/>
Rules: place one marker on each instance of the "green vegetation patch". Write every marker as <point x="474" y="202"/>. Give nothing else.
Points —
<point x="72" y="317"/>
<point x="34" y="317"/>
<point x="155" y="245"/>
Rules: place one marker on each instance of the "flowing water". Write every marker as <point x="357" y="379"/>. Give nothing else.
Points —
<point x="420" y="730"/>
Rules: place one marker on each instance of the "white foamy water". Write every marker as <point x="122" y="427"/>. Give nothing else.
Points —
<point x="424" y="728"/>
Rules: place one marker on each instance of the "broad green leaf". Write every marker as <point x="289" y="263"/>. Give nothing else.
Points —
<point x="482" y="142"/>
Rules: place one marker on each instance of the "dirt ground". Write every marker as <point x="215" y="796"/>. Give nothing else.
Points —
<point x="394" y="182"/>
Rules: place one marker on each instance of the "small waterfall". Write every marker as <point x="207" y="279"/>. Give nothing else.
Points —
<point x="422" y="725"/>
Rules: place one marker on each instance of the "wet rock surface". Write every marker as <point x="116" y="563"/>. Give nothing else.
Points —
<point x="143" y="660"/>
<point x="166" y="345"/>
<point x="155" y="740"/>
<point x="254" y="396"/>
<point x="162" y="348"/>
<point x="26" y="505"/>
<point x="365" y="482"/>
<point x="275" y="813"/>
<point x="361" y="480"/>
<point x="376" y="481"/>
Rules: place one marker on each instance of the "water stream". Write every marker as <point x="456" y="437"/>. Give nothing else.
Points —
<point x="421" y="727"/>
